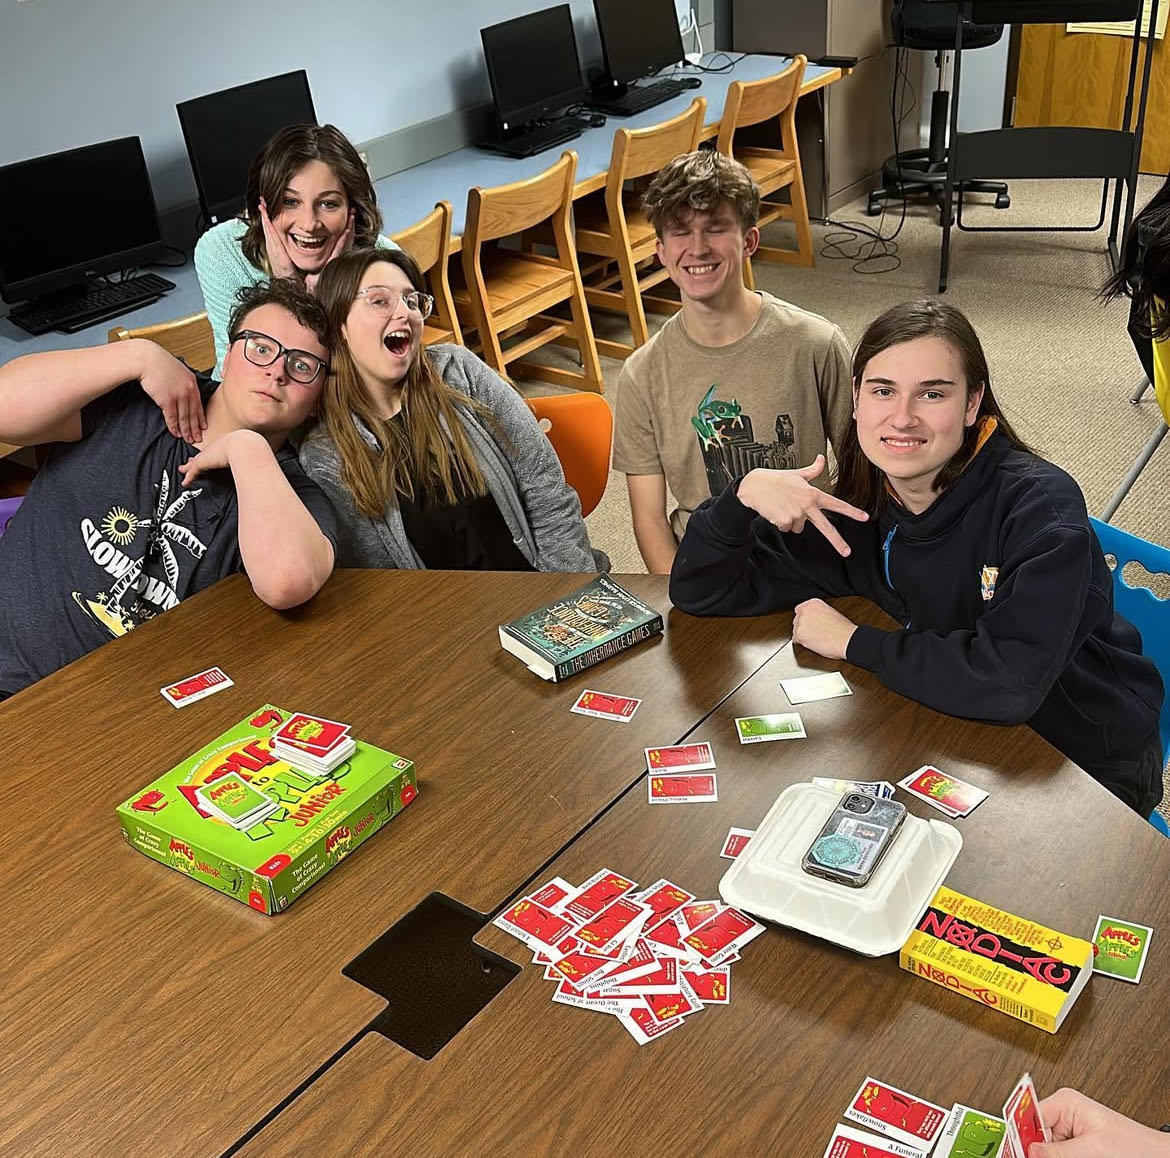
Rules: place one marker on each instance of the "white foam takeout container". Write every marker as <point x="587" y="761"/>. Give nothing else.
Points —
<point x="766" y="879"/>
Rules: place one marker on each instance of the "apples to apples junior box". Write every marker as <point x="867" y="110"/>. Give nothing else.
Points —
<point x="239" y="818"/>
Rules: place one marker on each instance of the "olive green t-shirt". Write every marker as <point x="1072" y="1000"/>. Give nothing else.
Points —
<point x="704" y="415"/>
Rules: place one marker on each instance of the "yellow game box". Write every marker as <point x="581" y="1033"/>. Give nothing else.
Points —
<point x="1009" y="963"/>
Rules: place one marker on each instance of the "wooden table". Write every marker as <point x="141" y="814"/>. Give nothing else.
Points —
<point x="112" y="1034"/>
<point x="771" y="1073"/>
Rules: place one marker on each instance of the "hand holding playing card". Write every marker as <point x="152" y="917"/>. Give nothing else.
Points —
<point x="1082" y="1128"/>
<point x="820" y="628"/>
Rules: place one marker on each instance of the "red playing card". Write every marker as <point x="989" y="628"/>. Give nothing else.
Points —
<point x="552" y="893"/>
<point x="947" y="793"/>
<point x="897" y="1114"/>
<point x="666" y="1006"/>
<point x="604" y="706"/>
<point x="736" y="842"/>
<point x="699" y="912"/>
<point x="849" y="1143"/>
<point x="579" y="967"/>
<point x="713" y="986"/>
<point x="681" y="757"/>
<point x="722" y="936"/>
<point x="598" y="891"/>
<point x="314" y="734"/>
<point x="666" y="934"/>
<point x="535" y="925"/>
<point x="1022" y="1114"/>
<point x="615" y="924"/>
<point x="663" y="898"/>
<point x="683" y="789"/>
<point x="197" y="687"/>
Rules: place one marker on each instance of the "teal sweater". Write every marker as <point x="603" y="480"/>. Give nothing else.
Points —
<point x="223" y="271"/>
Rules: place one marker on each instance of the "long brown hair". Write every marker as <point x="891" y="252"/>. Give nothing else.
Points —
<point x="860" y="482"/>
<point x="289" y="151"/>
<point x="429" y="447"/>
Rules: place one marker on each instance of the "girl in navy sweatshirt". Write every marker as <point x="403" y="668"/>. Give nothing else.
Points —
<point x="980" y="549"/>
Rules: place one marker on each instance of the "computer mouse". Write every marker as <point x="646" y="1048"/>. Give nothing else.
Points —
<point x="596" y="120"/>
<point x="691" y="81"/>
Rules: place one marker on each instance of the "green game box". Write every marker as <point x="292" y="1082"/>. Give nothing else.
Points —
<point x="237" y="817"/>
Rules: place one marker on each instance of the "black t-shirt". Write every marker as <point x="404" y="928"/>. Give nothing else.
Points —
<point x="108" y="536"/>
<point x="468" y="535"/>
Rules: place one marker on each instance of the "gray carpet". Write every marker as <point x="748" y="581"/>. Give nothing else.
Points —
<point x="1061" y="362"/>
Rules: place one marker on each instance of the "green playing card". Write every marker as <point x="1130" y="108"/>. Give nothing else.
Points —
<point x="779" y="726"/>
<point x="1120" y="947"/>
<point x="970" y="1134"/>
<point x="233" y="799"/>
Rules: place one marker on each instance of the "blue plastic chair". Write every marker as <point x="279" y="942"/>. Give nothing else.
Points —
<point x="1149" y="614"/>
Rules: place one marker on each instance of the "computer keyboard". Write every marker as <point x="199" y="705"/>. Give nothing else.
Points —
<point x="553" y="132"/>
<point x="97" y="302"/>
<point x="635" y="100"/>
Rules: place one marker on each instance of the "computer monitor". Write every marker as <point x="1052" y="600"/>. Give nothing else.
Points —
<point x="225" y="130"/>
<point x="638" y="37"/>
<point x="100" y="215"/>
<point x="532" y="66"/>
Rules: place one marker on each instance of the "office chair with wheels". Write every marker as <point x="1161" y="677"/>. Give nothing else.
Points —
<point x="1149" y="614"/>
<point x="923" y="25"/>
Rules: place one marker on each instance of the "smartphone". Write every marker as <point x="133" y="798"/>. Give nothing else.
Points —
<point x="854" y="839"/>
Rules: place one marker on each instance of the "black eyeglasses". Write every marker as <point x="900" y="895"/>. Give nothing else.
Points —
<point x="299" y="365"/>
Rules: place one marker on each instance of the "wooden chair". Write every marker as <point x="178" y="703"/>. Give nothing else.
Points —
<point x="508" y="292"/>
<point x="613" y="226"/>
<point x="429" y="243"/>
<point x="188" y="338"/>
<point x="751" y="103"/>
<point x="580" y="427"/>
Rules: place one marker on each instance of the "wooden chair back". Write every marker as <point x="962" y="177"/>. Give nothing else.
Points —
<point x="189" y="338"/>
<point x="751" y="102"/>
<point x="641" y="152"/>
<point x="429" y="242"/>
<point x="509" y="209"/>
<point x="580" y="428"/>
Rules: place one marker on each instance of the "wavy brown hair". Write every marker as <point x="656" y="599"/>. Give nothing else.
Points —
<point x="289" y="151"/>
<point x="429" y="449"/>
<point x="701" y="181"/>
<point x="860" y="482"/>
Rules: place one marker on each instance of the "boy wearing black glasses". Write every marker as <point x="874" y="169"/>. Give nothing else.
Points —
<point x="157" y="484"/>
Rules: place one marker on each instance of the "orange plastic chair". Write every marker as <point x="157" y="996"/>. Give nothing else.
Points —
<point x="580" y="427"/>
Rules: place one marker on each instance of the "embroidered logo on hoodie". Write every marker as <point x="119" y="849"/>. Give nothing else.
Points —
<point x="987" y="582"/>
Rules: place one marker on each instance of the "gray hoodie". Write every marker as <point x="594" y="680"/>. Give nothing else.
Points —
<point x="518" y="462"/>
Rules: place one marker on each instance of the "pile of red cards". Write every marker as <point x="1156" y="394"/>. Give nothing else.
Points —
<point x="677" y="774"/>
<point x="313" y="744"/>
<point x="651" y="957"/>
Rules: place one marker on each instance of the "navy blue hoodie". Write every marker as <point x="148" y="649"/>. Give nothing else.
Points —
<point x="1001" y="585"/>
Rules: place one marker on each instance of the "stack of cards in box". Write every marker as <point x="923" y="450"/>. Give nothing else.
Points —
<point x="234" y="801"/>
<point x="651" y="957"/>
<point x="312" y="744"/>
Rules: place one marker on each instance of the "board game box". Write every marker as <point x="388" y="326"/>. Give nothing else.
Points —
<point x="238" y="818"/>
<point x="1007" y="962"/>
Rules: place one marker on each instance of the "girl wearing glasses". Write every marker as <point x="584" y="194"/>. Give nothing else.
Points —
<point x="431" y="459"/>
<point x="308" y="199"/>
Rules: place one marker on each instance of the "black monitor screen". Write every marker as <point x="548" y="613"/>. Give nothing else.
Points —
<point x="532" y="65"/>
<point x="638" y="37"/>
<point x="225" y="130"/>
<point x="100" y="206"/>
